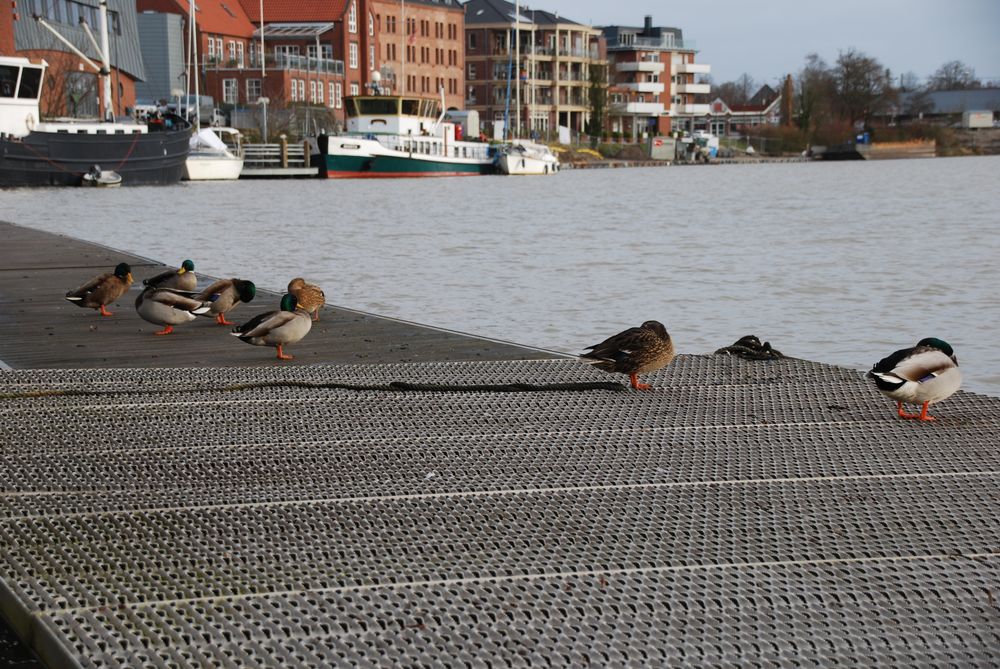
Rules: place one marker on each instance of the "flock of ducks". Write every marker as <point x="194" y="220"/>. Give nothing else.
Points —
<point x="172" y="298"/>
<point x="923" y="374"/>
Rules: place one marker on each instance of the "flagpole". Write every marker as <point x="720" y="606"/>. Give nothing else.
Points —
<point x="262" y="58"/>
<point x="402" y="40"/>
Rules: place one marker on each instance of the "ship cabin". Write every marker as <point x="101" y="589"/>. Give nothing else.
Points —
<point x="20" y="89"/>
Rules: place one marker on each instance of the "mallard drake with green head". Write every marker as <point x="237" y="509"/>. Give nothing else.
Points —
<point x="165" y="307"/>
<point x="924" y="374"/>
<point x="225" y="295"/>
<point x="277" y="328"/>
<point x="183" y="278"/>
<point x="103" y="289"/>
<point x="310" y="296"/>
<point x="634" y="351"/>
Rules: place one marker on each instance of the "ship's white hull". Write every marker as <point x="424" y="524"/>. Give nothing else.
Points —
<point x="201" y="167"/>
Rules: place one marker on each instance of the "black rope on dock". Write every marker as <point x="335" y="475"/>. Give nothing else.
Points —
<point x="394" y="386"/>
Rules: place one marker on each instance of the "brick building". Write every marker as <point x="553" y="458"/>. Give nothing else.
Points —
<point x="72" y="87"/>
<point x="553" y="66"/>
<point x="651" y="81"/>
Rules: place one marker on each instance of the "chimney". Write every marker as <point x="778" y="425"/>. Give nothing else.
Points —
<point x="648" y="25"/>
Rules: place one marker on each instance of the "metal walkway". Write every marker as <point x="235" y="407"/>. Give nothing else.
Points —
<point x="745" y="513"/>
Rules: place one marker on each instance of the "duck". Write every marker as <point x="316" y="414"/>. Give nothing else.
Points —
<point x="310" y="296"/>
<point x="225" y="295"/>
<point x="161" y="306"/>
<point x="924" y="374"/>
<point x="183" y="278"/>
<point x="633" y="351"/>
<point x="287" y="325"/>
<point x="103" y="289"/>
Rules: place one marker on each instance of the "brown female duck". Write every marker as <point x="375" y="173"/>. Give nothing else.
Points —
<point x="103" y="289"/>
<point x="634" y="351"/>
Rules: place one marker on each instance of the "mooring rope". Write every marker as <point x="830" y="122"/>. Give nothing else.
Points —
<point x="393" y="386"/>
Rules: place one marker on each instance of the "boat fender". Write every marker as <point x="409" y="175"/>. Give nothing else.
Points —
<point x="29" y="121"/>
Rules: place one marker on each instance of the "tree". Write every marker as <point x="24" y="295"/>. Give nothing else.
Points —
<point x="909" y="82"/>
<point x="598" y="101"/>
<point x="736" y="92"/>
<point x="864" y="87"/>
<point x="954" y="75"/>
<point x="816" y="92"/>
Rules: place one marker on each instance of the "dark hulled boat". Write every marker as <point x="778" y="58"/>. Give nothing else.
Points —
<point x="34" y="153"/>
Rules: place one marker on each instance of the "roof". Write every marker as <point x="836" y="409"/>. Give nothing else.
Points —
<point x="224" y="17"/>
<point x="483" y="12"/>
<point x="295" y="11"/>
<point x="272" y="30"/>
<point x="956" y="102"/>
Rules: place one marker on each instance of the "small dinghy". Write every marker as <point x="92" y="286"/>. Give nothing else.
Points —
<point x="101" y="178"/>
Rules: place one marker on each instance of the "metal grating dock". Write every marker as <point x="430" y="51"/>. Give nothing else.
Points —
<point x="746" y="513"/>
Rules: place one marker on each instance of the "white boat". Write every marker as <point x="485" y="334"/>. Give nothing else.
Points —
<point x="528" y="158"/>
<point x="99" y="178"/>
<point x="216" y="154"/>
<point x="399" y="136"/>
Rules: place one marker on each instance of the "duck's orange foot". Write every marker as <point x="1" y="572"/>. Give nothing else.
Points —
<point x="923" y="414"/>
<point x="165" y="331"/>
<point x="105" y="312"/>
<point x="634" y="382"/>
<point x="221" y="320"/>
<point x="283" y="356"/>
<point x="316" y="315"/>
<point x="903" y="414"/>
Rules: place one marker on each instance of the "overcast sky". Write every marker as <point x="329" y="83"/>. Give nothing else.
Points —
<point x="770" y="38"/>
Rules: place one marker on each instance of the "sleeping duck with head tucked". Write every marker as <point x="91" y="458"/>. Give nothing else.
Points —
<point x="634" y="351"/>
<point x="923" y="374"/>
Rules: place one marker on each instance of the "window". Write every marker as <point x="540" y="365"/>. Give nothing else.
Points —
<point x="232" y="51"/>
<point x="354" y="89"/>
<point x="371" y="24"/>
<point x="472" y="71"/>
<point x="312" y="92"/>
<point x="352" y="56"/>
<point x="253" y="90"/>
<point x="371" y="58"/>
<point x="339" y="99"/>
<point x="211" y="49"/>
<point x="230" y="91"/>
<point x="294" y="91"/>
<point x="240" y="62"/>
<point x="352" y="18"/>
<point x="218" y="47"/>
<point x="319" y="92"/>
<point x="302" y="90"/>
<point x="325" y="51"/>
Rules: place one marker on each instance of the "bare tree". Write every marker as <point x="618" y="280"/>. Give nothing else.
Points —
<point x="864" y="87"/>
<point x="954" y="75"/>
<point x="736" y="92"/>
<point x="816" y="92"/>
<point x="908" y="82"/>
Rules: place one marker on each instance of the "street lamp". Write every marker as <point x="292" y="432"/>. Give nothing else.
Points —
<point x="262" y="101"/>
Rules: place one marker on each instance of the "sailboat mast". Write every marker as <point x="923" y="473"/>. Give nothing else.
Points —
<point x="106" y="61"/>
<point x="517" y="53"/>
<point x="194" y="59"/>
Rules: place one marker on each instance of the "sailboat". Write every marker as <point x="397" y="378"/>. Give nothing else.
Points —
<point x="216" y="153"/>
<point x="524" y="157"/>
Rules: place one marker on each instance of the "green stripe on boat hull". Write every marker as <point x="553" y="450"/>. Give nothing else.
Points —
<point x="340" y="167"/>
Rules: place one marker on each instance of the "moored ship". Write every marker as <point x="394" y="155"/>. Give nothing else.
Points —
<point x="400" y="136"/>
<point x="39" y="153"/>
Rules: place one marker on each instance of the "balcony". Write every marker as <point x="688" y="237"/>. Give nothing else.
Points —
<point x="639" y="108"/>
<point x="279" y="62"/>
<point x="690" y="110"/>
<point x="640" y="66"/>
<point x="694" y="88"/>
<point x="631" y="42"/>
<point x="692" y="68"/>
<point x="655" y="87"/>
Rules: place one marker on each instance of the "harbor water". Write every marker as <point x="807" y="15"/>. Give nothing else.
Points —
<point x="838" y="262"/>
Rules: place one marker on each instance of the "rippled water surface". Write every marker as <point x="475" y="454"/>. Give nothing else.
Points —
<point x="839" y="263"/>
